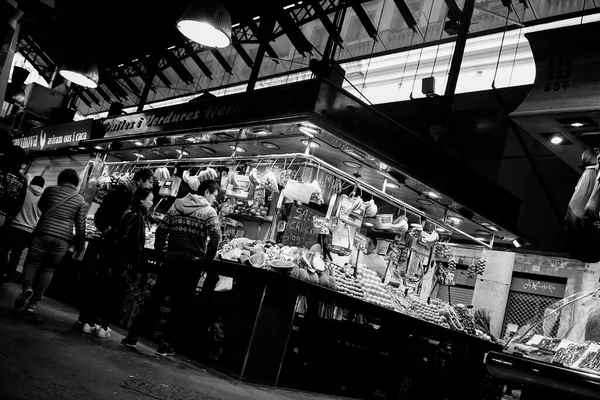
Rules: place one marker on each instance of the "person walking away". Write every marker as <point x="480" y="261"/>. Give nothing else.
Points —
<point x="17" y="237"/>
<point x="187" y="239"/>
<point x="104" y="302"/>
<point x="107" y="217"/>
<point x="62" y="209"/>
<point x="13" y="184"/>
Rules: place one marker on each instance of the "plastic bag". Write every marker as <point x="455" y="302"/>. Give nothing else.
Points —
<point x="225" y="283"/>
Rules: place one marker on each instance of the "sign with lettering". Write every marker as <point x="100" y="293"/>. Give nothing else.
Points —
<point x="300" y="230"/>
<point x="535" y="286"/>
<point x="231" y="110"/>
<point x="55" y="136"/>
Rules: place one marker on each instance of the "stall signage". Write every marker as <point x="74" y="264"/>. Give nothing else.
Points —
<point x="534" y="286"/>
<point x="55" y="136"/>
<point x="229" y="110"/>
<point x="300" y="231"/>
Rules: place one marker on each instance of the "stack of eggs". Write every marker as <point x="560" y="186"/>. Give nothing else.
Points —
<point x="373" y="287"/>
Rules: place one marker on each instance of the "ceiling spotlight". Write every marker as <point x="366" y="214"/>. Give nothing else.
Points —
<point x="556" y="139"/>
<point x="425" y="202"/>
<point x="139" y="155"/>
<point x="308" y="129"/>
<point x="207" y="23"/>
<point x="138" y="143"/>
<point x="159" y="153"/>
<point x="483" y="233"/>
<point x="99" y="148"/>
<point x="270" y="146"/>
<point x="577" y="124"/>
<point x="237" y="148"/>
<point x="184" y="152"/>
<point x="82" y="73"/>
<point x="490" y="226"/>
<point x="261" y="132"/>
<point x="351" y="164"/>
<point x="190" y="139"/>
<point x="207" y="150"/>
<point x="455" y="219"/>
<point x="518" y="242"/>
<point x="383" y="166"/>
<point x="481" y="239"/>
<point x="392" y="185"/>
<point x="367" y="224"/>
<point x="313" y="144"/>
<point x="433" y="195"/>
<point x="441" y="230"/>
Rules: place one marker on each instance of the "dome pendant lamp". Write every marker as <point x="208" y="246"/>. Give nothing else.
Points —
<point x="207" y="23"/>
<point x="82" y="73"/>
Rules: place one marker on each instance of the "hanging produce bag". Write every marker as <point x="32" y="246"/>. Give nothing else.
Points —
<point x="582" y="214"/>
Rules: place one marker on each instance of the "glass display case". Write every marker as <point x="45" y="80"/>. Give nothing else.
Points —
<point x="557" y="351"/>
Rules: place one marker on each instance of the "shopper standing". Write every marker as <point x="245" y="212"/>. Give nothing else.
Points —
<point x="62" y="209"/>
<point x="17" y="237"/>
<point x="104" y="302"/>
<point x="187" y="238"/>
<point x="13" y="184"/>
<point x="107" y="217"/>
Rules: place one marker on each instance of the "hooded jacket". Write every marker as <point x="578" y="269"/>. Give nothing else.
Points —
<point x="27" y="219"/>
<point x="190" y="230"/>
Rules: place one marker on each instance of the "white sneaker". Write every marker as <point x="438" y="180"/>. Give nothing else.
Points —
<point x="90" y="329"/>
<point x="103" y="333"/>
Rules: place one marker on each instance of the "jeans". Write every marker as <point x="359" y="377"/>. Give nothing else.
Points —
<point x="178" y="279"/>
<point x="15" y="241"/>
<point x="45" y="253"/>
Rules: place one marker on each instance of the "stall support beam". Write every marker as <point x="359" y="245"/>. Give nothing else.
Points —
<point x="266" y="28"/>
<point x="151" y="70"/>
<point x="459" y="50"/>
<point x="9" y="34"/>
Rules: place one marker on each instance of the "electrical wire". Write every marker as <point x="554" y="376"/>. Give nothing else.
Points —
<point x="516" y="52"/>
<point x="373" y="48"/>
<point x="438" y="47"/>
<point x="405" y="65"/>
<point x="500" y="51"/>
<point x="421" y="53"/>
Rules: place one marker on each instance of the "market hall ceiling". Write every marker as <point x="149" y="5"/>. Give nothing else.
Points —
<point x="130" y="39"/>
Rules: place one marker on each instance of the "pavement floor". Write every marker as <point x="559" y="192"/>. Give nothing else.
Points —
<point x="45" y="358"/>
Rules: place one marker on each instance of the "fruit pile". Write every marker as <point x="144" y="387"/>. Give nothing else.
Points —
<point x="466" y="319"/>
<point x="373" y="287"/>
<point x="427" y="312"/>
<point x="476" y="268"/>
<point x="347" y="284"/>
<point x="442" y="250"/>
<point x="445" y="275"/>
<point x="452" y="265"/>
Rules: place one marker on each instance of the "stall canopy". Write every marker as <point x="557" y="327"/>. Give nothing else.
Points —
<point x="317" y="118"/>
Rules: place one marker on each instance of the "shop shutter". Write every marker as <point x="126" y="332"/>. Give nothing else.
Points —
<point x="50" y="167"/>
<point x="458" y="294"/>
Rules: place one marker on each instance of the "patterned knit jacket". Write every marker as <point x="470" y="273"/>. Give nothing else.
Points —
<point x="59" y="221"/>
<point x="190" y="230"/>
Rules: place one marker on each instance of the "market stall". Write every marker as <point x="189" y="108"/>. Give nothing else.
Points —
<point x="556" y="355"/>
<point x="334" y="241"/>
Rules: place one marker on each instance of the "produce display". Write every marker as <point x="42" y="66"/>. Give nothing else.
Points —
<point x="245" y="207"/>
<point x="347" y="283"/>
<point x="441" y="250"/>
<point x="91" y="232"/>
<point x="373" y="288"/>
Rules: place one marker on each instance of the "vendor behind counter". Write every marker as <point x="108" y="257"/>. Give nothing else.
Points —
<point x="372" y="260"/>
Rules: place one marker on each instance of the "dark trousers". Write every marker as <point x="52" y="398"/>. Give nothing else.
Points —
<point x="105" y="295"/>
<point x="13" y="241"/>
<point x="178" y="280"/>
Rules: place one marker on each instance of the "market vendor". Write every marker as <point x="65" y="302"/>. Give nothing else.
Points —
<point x="372" y="260"/>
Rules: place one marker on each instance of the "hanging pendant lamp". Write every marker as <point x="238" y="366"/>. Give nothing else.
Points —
<point x="82" y="73"/>
<point x="207" y="23"/>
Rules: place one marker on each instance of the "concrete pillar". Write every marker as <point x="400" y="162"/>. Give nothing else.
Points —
<point x="492" y="288"/>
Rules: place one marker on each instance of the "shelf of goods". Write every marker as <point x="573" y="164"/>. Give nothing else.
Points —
<point x="557" y="353"/>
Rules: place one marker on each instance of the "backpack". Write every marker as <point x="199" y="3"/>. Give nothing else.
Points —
<point x="113" y="206"/>
<point x="582" y="221"/>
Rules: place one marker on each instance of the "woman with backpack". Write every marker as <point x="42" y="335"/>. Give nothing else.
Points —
<point x="126" y="243"/>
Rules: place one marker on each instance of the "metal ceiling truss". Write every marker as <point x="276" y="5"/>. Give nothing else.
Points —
<point x="37" y="58"/>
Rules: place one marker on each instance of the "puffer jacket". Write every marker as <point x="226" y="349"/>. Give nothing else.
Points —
<point x="190" y="230"/>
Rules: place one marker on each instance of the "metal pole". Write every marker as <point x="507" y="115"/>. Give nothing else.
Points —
<point x="247" y="356"/>
<point x="334" y="40"/>
<point x="152" y="68"/>
<point x="459" y="50"/>
<point x="266" y="29"/>
<point x="287" y="341"/>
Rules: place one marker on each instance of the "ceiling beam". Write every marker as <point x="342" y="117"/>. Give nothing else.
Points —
<point x="406" y="14"/>
<point x="264" y="38"/>
<point x="179" y="68"/>
<point x="302" y="45"/>
<point x="219" y="57"/>
<point x="93" y="98"/>
<point x="364" y="19"/>
<point x="103" y="94"/>
<point x="245" y="56"/>
<point x="164" y="79"/>
<point x="196" y="59"/>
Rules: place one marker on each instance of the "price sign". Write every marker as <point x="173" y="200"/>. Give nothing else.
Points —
<point x="300" y="230"/>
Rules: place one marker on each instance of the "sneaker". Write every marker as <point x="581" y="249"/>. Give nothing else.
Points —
<point x="165" y="350"/>
<point x="87" y="328"/>
<point x="103" y="333"/>
<point x="23" y="298"/>
<point x="130" y="342"/>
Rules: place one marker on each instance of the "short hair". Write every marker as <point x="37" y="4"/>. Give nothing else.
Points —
<point x="143" y="175"/>
<point x="210" y="185"/>
<point x="68" y="176"/>
<point x="38" y="181"/>
<point x="140" y="195"/>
